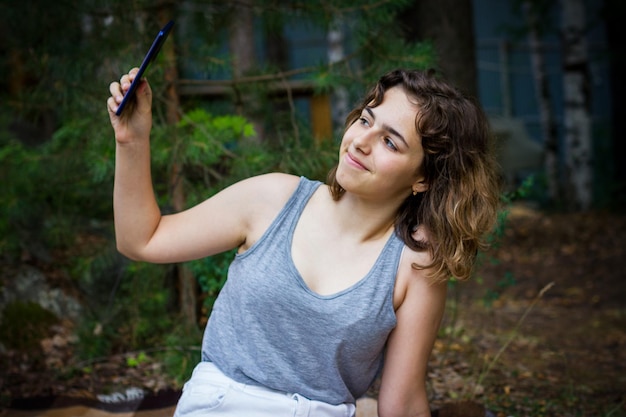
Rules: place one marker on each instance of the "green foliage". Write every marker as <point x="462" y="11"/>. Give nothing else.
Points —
<point x="134" y="361"/>
<point x="508" y="279"/>
<point x="53" y="190"/>
<point x="203" y="138"/>
<point x="15" y="212"/>
<point x="95" y="341"/>
<point x="131" y="308"/>
<point x="522" y="192"/>
<point x="145" y="298"/>
<point x="211" y="273"/>
<point x="24" y="324"/>
<point x="181" y="353"/>
<point x="492" y="294"/>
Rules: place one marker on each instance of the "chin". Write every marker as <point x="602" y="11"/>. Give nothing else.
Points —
<point x="340" y="178"/>
<point x="345" y="181"/>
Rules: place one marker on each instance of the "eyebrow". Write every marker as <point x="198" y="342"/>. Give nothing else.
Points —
<point x="386" y="127"/>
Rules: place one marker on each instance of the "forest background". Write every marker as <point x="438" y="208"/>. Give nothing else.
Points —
<point x="229" y="103"/>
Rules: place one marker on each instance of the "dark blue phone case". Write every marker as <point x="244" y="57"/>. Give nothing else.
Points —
<point x="150" y="56"/>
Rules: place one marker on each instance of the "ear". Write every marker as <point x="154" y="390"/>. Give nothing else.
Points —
<point x="419" y="186"/>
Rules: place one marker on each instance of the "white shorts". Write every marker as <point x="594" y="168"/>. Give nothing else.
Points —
<point x="211" y="393"/>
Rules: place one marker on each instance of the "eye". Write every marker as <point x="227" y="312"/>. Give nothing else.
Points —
<point x="363" y="121"/>
<point x="389" y="143"/>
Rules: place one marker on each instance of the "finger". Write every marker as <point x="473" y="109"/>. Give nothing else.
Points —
<point x="112" y="105"/>
<point x="144" y="97"/>
<point x="116" y="91"/>
<point x="132" y="74"/>
<point x="125" y="82"/>
<point x="127" y="79"/>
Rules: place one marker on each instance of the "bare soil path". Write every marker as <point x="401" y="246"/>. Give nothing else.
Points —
<point x="566" y="352"/>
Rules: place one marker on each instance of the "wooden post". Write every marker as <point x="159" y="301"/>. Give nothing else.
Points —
<point x="321" y="118"/>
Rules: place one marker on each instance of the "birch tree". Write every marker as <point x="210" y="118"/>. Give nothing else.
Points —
<point x="577" y="118"/>
<point x="532" y="14"/>
<point x="335" y="55"/>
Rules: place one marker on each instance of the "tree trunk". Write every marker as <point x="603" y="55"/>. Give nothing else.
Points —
<point x="449" y="24"/>
<point x="544" y="101"/>
<point x="243" y="56"/>
<point x="615" y="13"/>
<point x="577" y="119"/>
<point x="340" y="105"/>
<point x="187" y="285"/>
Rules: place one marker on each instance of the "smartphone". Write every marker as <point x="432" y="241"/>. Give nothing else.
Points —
<point x="150" y="56"/>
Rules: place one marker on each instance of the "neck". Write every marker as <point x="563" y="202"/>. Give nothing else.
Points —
<point x="364" y="219"/>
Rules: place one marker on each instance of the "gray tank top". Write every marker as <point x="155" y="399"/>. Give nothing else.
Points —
<point x="268" y="328"/>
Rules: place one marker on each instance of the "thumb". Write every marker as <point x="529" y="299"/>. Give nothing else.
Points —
<point x="144" y="97"/>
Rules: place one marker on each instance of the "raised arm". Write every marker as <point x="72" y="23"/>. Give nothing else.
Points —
<point x="234" y="217"/>
<point x="421" y="306"/>
<point x="136" y="212"/>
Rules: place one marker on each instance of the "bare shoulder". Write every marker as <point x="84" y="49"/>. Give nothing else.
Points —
<point x="263" y="196"/>
<point x="273" y="187"/>
<point x="413" y="281"/>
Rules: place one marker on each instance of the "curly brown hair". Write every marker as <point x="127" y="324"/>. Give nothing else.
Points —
<point x="460" y="206"/>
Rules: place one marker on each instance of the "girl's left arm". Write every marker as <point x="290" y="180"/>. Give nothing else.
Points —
<point x="419" y="311"/>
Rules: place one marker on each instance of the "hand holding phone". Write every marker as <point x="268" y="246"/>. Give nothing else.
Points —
<point x="150" y="56"/>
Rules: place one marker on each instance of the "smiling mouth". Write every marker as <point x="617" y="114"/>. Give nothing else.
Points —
<point x="352" y="161"/>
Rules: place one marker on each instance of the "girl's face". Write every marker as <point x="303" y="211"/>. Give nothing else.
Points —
<point x="381" y="153"/>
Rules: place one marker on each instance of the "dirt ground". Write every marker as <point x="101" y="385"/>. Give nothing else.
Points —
<point x="553" y="341"/>
<point x="541" y="331"/>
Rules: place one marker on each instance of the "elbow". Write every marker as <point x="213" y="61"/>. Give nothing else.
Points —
<point x="128" y="251"/>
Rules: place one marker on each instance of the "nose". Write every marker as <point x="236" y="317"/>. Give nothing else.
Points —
<point x="363" y="142"/>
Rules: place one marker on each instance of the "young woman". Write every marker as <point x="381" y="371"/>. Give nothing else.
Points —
<point x="331" y="284"/>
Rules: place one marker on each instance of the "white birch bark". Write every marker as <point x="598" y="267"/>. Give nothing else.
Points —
<point x="340" y="106"/>
<point x="577" y="119"/>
